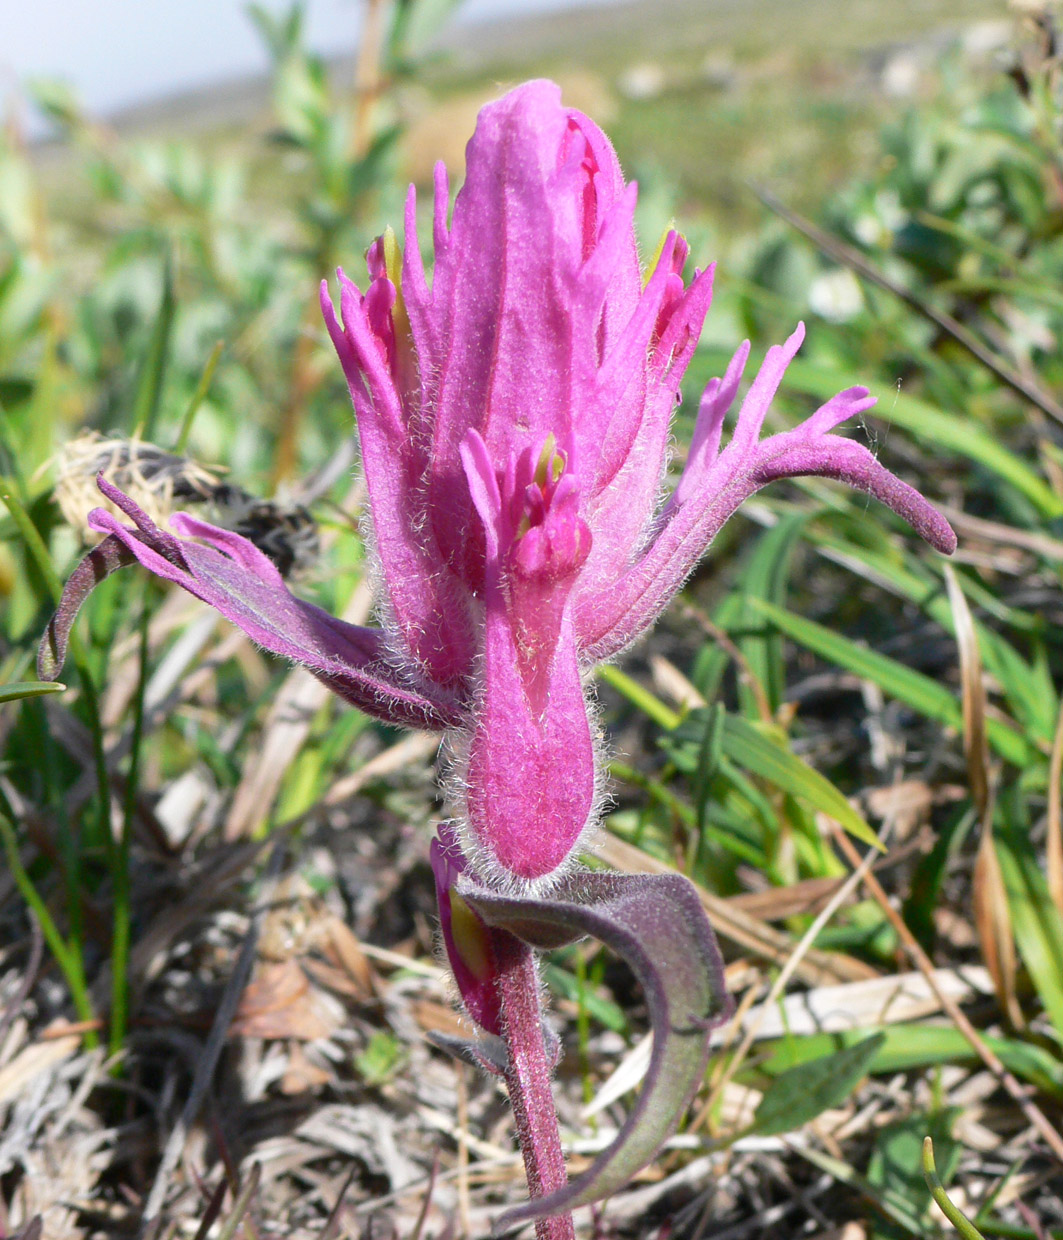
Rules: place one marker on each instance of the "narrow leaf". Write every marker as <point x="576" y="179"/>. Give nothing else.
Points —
<point x="765" y="575"/>
<point x="907" y="1047"/>
<point x="198" y="397"/>
<point x="751" y="747"/>
<point x="1037" y="923"/>
<point x="1054" y="830"/>
<point x="153" y="367"/>
<point x="975" y="743"/>
<point x="918" y="691"/>
<point x="18" y="689"/>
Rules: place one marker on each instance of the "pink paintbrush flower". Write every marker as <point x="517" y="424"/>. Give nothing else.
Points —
<point x="514" y="416"/>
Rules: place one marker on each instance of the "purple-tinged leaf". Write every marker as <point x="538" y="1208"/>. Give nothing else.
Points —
<point x="487" y="1051"/>
<point x="657" y="926"/>
<point x="233" y="576"/>
<point x="104" y="559"/>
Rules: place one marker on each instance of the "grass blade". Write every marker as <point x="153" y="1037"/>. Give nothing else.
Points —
<point x="69" y="960"/>
<point x="748" y="745"/>
<point x="19" y="689"/>
<point x="917" y="690"/>
<point x="153" y="367"/>
<point x="1036" y="921"/>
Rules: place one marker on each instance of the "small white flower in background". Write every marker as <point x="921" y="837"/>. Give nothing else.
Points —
<point x="836" y="295"/>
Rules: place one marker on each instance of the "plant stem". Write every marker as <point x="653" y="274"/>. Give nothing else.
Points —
<point x="528" y="1081"/>
<point x="119" y="853"/>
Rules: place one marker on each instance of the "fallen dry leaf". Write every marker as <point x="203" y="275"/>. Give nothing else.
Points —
<point x="281" y="1003"/>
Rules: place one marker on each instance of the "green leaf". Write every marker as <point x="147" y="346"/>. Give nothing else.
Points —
<point x="896" y="1169"/>
<point x="752" y="746"/>
<point x="765" y="575"/>
<point x="1035" y="920"/>
<point x="415" y="24"/>
<point x="605" y="1011"/>
<point x="198" y="397"/>
<point x="383" y="1056"/>
<point x="908" y="1047"/>
<point x="910" y="576"/>
<point x="801" y="1093"/>
<point x="1031" y="698"/>
<point x="19" y="689"/>
<point x="918" y="691"/>
<point x="892" y="1205"/>
<point x="708" y="762"/>
<point x="639" y="696"/>
<point x="153" y="367"/>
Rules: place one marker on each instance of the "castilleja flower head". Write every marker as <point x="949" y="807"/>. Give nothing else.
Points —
<point x="514" y="419"/>
<point x="513" y="411"/>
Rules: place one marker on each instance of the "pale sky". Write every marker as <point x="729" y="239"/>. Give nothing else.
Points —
<point x="119" y="52"/>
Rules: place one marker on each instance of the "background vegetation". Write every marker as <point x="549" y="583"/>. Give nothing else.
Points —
<point x="216" y="936"/>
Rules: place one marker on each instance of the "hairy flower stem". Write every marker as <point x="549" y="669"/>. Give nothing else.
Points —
<point x="528" y="1080"/>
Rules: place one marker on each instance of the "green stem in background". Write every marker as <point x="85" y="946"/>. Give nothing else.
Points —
<point x="69" y="836"/>
<point x="956" y="1217"/>
<point x="583" y="1027"/>
<point x="67" y="959"/>
<point x="119" y="855"/>
<point x="39" y="554"/>
<point x="153" y="368"/>
<point x="198" y="397"/>
<point x="528" y="1081"/>
<point x="639" y="696"/>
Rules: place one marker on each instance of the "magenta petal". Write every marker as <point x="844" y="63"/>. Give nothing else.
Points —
<point x="520" y="296"/>
<point x="712" y="490"/>
<point x="535" y="543"/>
<point x="852" y="463"/>
<point x="848" y="404"/>
<point x="530" y="772"/>
<point x="716" y="401"/>
<point x="530" y="777"/>
<point x="483" y="490"/>
<point x="234" y="577"/>
<point x="622" y="382"/>
<point x="640" y="396"/>
<point x="762" y="391"/>
<point x="679" y="327"/>
<point x="425" y="604"/>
